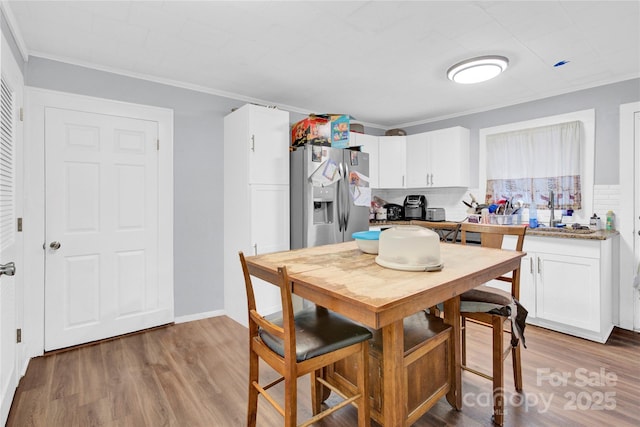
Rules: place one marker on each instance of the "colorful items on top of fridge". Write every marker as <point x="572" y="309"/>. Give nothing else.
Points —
<point x="322" y="129"/>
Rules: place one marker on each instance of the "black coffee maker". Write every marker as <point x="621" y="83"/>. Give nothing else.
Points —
<point x="415" y="207"/>
<point x="394" y="212"/>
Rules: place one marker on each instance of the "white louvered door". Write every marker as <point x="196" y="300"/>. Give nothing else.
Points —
<point x="8" y="247"/>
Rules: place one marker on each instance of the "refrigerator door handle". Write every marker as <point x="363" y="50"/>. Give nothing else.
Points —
<point x="347" y="201"/>
<point x="339" y="198"/>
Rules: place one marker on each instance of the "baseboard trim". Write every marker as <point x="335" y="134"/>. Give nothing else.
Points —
<point x="199" y="316"/>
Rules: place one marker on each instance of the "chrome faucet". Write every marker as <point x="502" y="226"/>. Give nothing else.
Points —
<point x="552" y="206"/>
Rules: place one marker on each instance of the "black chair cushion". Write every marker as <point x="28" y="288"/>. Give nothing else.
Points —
<point x="318" y="331"/>
<point x="483" y="299"/>
<point x="487" y="299"/>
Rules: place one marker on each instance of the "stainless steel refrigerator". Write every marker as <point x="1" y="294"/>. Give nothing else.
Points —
<point x="330" y="195"/>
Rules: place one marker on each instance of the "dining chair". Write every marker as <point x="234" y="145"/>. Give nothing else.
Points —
<point x="447" y="231"/>
<point x="493" y="307"/>
<point x="305" y="342"/>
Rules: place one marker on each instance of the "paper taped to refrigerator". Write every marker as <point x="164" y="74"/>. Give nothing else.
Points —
<point x="325" y="174"/>
<point x="359" y="189"/>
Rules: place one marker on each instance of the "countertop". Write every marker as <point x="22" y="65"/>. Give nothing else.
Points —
<point x="540" y="231"/>
<point x="576" y="234"/>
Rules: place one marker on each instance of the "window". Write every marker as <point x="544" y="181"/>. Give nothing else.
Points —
<point x="530" y="163"/>
<point x="542" y="158"/>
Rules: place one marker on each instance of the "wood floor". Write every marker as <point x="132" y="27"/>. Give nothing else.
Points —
<point x="194" y="374"/>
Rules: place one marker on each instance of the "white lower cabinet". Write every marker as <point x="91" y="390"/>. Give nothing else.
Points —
<point x="567" y="285"/>
<point x="269" y="232"/>
<point x="568" y="291"/>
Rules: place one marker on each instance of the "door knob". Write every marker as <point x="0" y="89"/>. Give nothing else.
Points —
<point x="9" y="269"/>
<point x="55" y="245"/>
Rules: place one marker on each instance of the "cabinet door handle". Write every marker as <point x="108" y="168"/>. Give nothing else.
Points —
<point x="402" y="181"/>
<point x="255" y="249"/>
<point x="539" y="265"/>
<point x="253" y="143"/>
<point x="531" y="265"/>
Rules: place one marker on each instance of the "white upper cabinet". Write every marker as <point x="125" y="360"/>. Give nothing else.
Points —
<point x="438" y="158"/>
<point x="369" y="144"/>
<point x="449" y="162"/>
<point x="417" y="156"/>
<point x="392" y="161"/>
<point x="267" y="142"/>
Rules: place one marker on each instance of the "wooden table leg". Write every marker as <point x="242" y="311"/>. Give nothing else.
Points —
<point x="452" y="317"/>
<point x="395" y="401"/>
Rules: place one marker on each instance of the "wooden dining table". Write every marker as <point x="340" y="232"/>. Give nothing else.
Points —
<point x="348" y="281"/>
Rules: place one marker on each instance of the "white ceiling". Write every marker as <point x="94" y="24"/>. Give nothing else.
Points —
<point x="382" y="62"/>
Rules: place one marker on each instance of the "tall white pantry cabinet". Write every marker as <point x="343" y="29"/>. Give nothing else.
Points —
<point x="256" y="200"/>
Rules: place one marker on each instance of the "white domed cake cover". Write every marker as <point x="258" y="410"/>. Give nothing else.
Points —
<point x="411" y="248"/>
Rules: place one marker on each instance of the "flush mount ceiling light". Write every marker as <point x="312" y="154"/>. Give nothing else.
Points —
<point x="478" y="69"/>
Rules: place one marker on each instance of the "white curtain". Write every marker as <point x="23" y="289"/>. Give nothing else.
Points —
<point x="527" y="164"/>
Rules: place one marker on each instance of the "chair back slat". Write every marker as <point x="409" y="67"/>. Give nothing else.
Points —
<point x="492" y="236"/>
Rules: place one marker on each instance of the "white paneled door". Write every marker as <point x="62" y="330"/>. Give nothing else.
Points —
<point x="101" y="227"/>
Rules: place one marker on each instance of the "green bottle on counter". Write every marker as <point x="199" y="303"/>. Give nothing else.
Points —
<point x="609" y="220"/>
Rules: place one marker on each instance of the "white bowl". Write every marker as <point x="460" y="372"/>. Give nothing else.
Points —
<point x="367" y="241"/>
<point x="410" y="248"/>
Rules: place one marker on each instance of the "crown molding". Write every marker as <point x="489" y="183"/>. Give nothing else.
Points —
<point x="15" y="30"/>
<point x="181" y="84"/>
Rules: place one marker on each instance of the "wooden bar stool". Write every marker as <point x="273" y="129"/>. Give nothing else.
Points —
<point x="492" y="307"/>
<point x="447" y="231"/>
<point x="300" y="344"/>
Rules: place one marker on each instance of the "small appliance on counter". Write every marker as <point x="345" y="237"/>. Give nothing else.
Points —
<point x="435" y="214"/>
<point x="415" y="207"/>
<point x="394" y="212"/>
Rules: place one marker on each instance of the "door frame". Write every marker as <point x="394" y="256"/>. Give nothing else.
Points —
<point x="36" y="100"/>
<point x="625" y="220"/>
